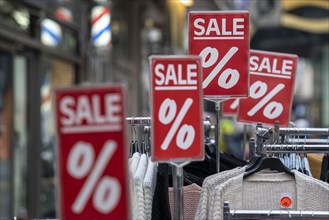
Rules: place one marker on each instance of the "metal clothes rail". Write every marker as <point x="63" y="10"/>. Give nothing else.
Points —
<point x="306" y="141"/>
<point x="304" y="131"/>
<point x="296" y="148"/>
<point x="293" y="131"/>
<point x="272" y="214"/>
<point x="146" y="121"/>
<point x="139" y="121"/>
<point x="288" y="140"/>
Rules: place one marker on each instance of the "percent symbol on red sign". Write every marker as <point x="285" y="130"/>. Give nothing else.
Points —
<point x="108" y="190"/>
<point x="229" y="77"/>
<point x="272" y="109"/>
<point x="186" y="133"/>
<point x="234" y="104"/>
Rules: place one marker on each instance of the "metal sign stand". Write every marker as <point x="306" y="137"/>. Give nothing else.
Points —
<point x="245" y="129"/>
<point x="217" y="137"/>
<point x="178" y="184"/>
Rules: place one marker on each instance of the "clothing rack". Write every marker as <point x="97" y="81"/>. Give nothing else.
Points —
<point x="293" y="131"/>
<point x="304" y="131"/>
<point x="287" y="140"/>
<point x="146" y="121"/>
<point x="272" y="214"/>
<point x="296" y="148"/>
<point x="306" y="141"/>
<point x="178" y="180"/>
<point x="138" y="121"/>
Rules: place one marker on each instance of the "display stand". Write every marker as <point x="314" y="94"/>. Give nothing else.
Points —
<point x="178" y="184"/>
<point x="217" y="136"/>
<point x="178" y="172"/>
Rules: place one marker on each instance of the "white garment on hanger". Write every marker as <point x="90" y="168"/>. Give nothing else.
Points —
<point x="138" y="185"/>
<point x="209" y="184"/>
<point x="263" y="191"/>
<point x="149" y="187"/>
<point x="133" y="164"/>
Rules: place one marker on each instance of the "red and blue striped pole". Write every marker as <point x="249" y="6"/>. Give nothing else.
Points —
<point x="100" y="26"/>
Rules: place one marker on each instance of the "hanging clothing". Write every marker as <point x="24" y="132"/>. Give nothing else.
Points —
<point x="209" y="184"/>
<point x="132" y="166"/>
<point x="194" y="172"/>
<point x="160" y="204"/>
<point x="263" y="191"/>
<point x="149" y="187"/>
<point x="315" y="161"/>
<point x="325" y="169"/>
<point x="192" y="195"/>
<point x="139" y="189"/>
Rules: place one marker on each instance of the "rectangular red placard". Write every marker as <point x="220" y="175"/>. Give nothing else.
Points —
<point x="176" y="108"/>
<point x="272" y="79"/>
<point x="221" y="38"/>
<point x="230" y="107"/>
<point x="92" y="152"/>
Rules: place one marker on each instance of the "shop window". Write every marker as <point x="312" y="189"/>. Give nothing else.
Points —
<point x="13" y="135"/>
<point x="57" y="74"/>
<point x="20" y="137"/>
<point x="14" y="16"/>
<point x="57" y="36"/>
<point x="5" y="134"/>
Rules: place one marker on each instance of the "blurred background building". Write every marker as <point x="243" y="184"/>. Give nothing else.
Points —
<point x="47" y="44"/>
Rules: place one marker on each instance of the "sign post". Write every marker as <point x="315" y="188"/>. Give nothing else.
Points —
<point x="221" y="38"/>
<point x="272" y="78"/>
<point x="176" y="107"/>
<point x="92" y="152"/>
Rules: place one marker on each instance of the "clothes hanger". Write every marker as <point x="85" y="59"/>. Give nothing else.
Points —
<point x="255" y="159"/>
<point x="133" y="134"/>
<point x="273" y="163"/>
<point x="266" y="162"/>
<point x="259" y="155"/>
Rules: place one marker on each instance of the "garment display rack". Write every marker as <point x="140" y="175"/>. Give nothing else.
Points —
<point x="289" y="140"/>
<point x="142" y="121"/>
<point x="177" y="171"/>
<point x="146" y="121"/>
<point x="296" y="148"/>
<point x="306" y="141"/>
<point x="272" y="214"/>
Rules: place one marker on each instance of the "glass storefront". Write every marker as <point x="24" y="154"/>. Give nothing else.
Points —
<point x="57" y="73"/>
<point x="5" y="136"/>
<point x="29" y="72"/>
<point x="14" y="134"/>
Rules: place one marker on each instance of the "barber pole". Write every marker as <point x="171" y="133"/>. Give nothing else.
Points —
<point x="100" y="29"/>
<point x="51" y="32"/>
<point x="64" y="14"/>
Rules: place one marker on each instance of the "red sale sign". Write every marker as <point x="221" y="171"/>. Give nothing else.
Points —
<point x="272" y="78"/>
<point x="92" y="152"/>
<point x="221" y="38"/>
<point x="230" y="107"/>
<point x="176" y="108"/>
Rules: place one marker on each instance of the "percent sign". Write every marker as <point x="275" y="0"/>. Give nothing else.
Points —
<point x="229" y="77"/>
<point x="79" y="164"/>
<point x="167" y="113"/>
<point x="273" y="109"/>
<point x="234" y="104"/>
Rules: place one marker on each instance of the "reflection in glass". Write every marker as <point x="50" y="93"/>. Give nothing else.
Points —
<point x="57" y="74"/>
